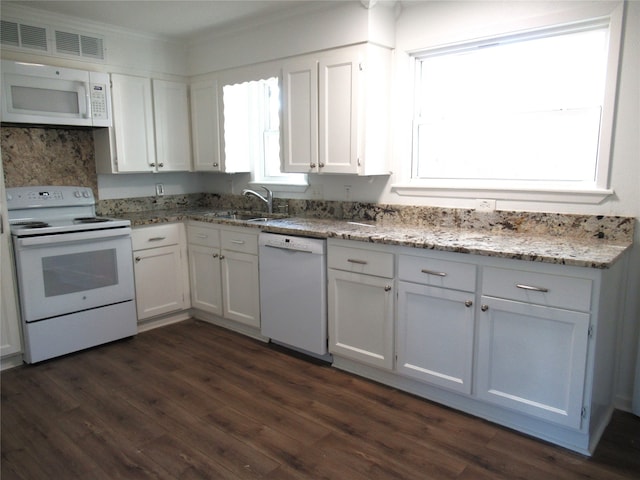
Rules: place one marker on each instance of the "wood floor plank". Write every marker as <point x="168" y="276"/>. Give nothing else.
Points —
<point x="182" y="461"/>
<point x="233" y="454"/>
<point x="119" y="458"/>
<point x="195" y="401"/>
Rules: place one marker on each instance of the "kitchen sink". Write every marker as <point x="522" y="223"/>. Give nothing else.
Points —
<point x="244" y="217"/>
<point x="247" y="217"/>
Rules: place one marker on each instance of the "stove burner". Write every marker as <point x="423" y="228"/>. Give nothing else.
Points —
<point x="31" y="224"/>
<point x="90" y="220"/>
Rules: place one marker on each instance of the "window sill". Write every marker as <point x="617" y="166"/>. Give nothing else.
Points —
<point x="592" y="196"/>
<point x="282" y="187"/>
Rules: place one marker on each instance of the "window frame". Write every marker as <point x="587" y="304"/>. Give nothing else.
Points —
<point x="525" y="190"/>
<point x="254" y="73"/>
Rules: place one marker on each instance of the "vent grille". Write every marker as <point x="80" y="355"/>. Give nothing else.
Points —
<point x="67" y="43"/>
<point x="92" y="47"/>
<point x="9" y="33"/>
<point x="79" y="45"/>
<point x="20" y="35"/>
<point x="34" y="37"/>
<point x="50" y="40"/>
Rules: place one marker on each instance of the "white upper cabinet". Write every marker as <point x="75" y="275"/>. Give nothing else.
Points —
<point x="336" y="111"/>
<point x="129" y="146"/>
<point x="150" y="127"/>
<point x="300" y="115"/>
<point x="205" y="126"/>
<point x="339" y="98"/>
<point x="171" y="120"/>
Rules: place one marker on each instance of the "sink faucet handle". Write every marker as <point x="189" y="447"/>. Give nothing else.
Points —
<point x="269" y="199"/>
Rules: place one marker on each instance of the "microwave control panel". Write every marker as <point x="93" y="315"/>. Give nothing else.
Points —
<point x="99" y="101"/>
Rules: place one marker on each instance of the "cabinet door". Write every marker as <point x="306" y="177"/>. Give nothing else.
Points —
<point x="338" y="111"/>
<point x="158" y="277"/>
<point x="300" y="115"/>
<point x="435" y="335"/>
<point x="9" y="319"/>
<point x="171" y="120"/>
<point x="532" y="358"/>
<point x="240" y="284"/>
<point x="206" y="280"/>
<point x="205" y="126"/>
<point x="361" y="318"/>
<point x="133" y="123"/>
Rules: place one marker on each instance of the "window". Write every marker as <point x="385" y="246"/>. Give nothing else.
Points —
<point x="518" y="112"/>
<point x="252" y="129"/>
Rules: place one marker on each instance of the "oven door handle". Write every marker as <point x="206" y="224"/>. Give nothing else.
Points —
<point x="74" y="237"/>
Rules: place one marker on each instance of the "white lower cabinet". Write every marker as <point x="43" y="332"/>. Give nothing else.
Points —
<point x="10" y="340"/>
<point x="159" y="270"/>
<point x="532" y="359"/>
<point x="205" y="277"/>
<point x="435" y="324"/>
<point x="204" y="268"/>
<point x="435" y="335"/>
<point x="240" y="285"/>
<point x="532" y="353"/>
<point x="361" y="303"/>
<point x="528" y="345"/>
<point x="223" y="270"/>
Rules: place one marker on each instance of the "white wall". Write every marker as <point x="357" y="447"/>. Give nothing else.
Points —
<point x="333" y="25"/>
<point x="127" y="52"/>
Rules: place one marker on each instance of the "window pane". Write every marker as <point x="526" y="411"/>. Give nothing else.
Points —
<point x="522" y="110"/>
<point x="252" y="128"/>
<point x="237" y="122"/>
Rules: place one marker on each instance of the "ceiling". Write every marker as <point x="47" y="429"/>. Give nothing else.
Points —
<point x="177" y="19"/>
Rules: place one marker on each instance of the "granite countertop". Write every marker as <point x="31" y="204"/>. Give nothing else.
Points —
<point x="558" y="249"/>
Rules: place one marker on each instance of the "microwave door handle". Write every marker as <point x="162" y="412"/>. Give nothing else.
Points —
<point x="85" y="106"/>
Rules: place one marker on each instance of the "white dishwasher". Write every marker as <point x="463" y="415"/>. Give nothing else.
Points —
<point x="293" y="292"/>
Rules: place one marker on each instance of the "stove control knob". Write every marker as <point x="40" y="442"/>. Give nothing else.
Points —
<point x="76" y="194"/>
<point x="85" y="194"/>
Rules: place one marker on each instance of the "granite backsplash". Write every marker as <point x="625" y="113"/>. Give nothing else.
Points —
<point x="48" y="156"/>
<point x="611" y="228"/>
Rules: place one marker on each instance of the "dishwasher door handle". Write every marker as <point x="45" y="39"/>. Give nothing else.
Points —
<point x="289" y="249"/>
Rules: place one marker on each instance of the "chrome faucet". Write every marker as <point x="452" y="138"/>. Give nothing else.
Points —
<point x="268" y="199"/>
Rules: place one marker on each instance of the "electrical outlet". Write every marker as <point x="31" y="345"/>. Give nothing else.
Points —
<point x="159" y="189"/>
<point x="484" y="205"/>
<point x="347" y="193"/>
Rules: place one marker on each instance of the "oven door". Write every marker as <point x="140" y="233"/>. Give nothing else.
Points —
<point x="72" y="272"/>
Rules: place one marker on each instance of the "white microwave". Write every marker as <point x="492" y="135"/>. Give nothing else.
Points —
<point x="45" y="95"/>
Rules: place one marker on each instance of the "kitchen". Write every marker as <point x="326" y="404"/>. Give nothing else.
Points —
<point x="349" y="24"/>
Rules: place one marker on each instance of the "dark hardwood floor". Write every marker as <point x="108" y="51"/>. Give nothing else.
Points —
<point x="193" y="401"/>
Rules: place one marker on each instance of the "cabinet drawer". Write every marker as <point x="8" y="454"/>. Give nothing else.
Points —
<point x="440" y="273"/>
<point x="207" y="237"/>
<point x="539" y="288"/>
<point x="360" y="260"/>
<point x="239" y="241"/>
<point x="155" y="236"/>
